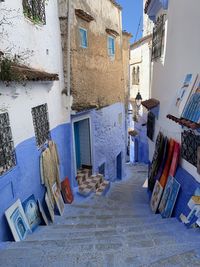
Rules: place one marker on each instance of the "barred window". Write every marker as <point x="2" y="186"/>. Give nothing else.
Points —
<point x="7" y="151"/>
<point x="35" y="10"/>
<point x="41" y="124"/>
<point x="158" y="36"/>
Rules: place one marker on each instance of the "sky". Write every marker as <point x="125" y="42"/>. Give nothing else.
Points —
<point x="131" y="15"/>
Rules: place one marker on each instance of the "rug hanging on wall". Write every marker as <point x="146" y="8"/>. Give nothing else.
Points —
<point x="150" y="125"/>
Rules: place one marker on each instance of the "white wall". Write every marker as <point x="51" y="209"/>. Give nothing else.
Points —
<point x="21" y="35"/>
<point x="182" y="56"/>
<point x="140" y="56"/>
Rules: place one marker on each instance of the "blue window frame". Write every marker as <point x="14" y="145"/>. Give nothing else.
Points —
<point x="83" y="38"/>
<point x="111" y="46"/>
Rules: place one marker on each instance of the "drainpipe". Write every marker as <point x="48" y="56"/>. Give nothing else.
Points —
<point x="69" y="49"/>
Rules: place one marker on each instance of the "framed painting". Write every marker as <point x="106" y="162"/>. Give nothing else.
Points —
<point x="17" y="221"/>
<point x="166" y="194"/>
<point x="175" y="187"/>
<point x="49" y="206"/>
<point x="58" y="199"/>
<point x="42" y="212"/>
<point x="66" y="191"/>
<point x="156" y="196"/>
<point x="32" y="212"/>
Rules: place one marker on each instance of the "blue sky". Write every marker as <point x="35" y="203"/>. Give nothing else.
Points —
<point x="131" y="14"/>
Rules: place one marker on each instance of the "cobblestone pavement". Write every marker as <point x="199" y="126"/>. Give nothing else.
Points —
<point x="116" y="230"/>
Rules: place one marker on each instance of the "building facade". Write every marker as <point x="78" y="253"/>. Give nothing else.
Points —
<point x="98" y="52"/>
<point x="31" y="108"/>
<point x="175" y="56"/>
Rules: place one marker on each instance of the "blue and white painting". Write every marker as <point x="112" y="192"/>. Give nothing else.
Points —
<point x="166" y="194"/>
<point x="174" y="189"/>
<point x="17" y="221"/>
<point x="32" y="212"/>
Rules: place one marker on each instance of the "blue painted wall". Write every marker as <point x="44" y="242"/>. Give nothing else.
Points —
<point x="24" y="179"/>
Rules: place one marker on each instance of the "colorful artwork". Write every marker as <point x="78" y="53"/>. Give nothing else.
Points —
<point x="43" y="214"/>
<point x="66" y="191"/>
<point x="175" y="159"/>
<point x="166" y="193"/>
<point x="17" y="221"/>
<point x="49" y="206"/>
<point x="183" y="93"/>
<point x="192" y="108"/>
<point x="165" y="174"/>
<point x="32" y="212"/>
<point x="175" y="187"/>
<point x="156" y="196"/>
<point x="58" y="199"/>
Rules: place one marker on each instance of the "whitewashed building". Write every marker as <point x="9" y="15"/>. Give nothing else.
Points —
<point x="31" y="108"/>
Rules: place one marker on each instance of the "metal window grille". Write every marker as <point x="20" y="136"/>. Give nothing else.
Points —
<point x="157" y="41"/>
<point x="41" y="124"/>
<point x="35" y="10"/>
<point x="7" y="151"/>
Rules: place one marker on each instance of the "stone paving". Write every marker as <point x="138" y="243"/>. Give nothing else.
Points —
<point x="118" y="230"/>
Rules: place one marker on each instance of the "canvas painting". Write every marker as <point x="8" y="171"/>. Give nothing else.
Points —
<point x="192" y="107"/>
<point x="58" y="199"/>
<point x="156" y="196"/>
<point x="17" y="221"/>
<point x="49" y="206"/>
<point x="42" y="212"/>
<point x="184" y="92"/>
<point x="175" y="187"/>
<point x="32" y="212"/>
<point x="66" y="191"/>
<point x="175" y="159"/>
<point x="166" y="193"/>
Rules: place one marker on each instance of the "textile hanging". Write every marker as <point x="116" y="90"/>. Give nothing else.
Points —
<point x="150" y="125"/>
<point x="189" y="144"/>
<point x="157" y="158"/>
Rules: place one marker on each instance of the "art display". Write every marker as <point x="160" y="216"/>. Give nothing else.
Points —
<point x="171" y="200"/>
<point x="32" y="212"/>
<point x="166" y="193"/>
<point x="66" y="191"/>
<point x="175" y="159"/>
<point x="157" y="158"/>
<point x="198" y="159"/>
<point x="17" y="221"/>
<point x="49" y="206"/>
<point x="156" y="196"/>
<point x="192" y="108"/>
<point x="184" y="92"/>
<point x="58" y="199"/>
<point x="150" y="125"/>
<point x="42" y="213"/>
<point x="164" y="158"/>
<point x="165" y="174"/>
<point x="189" y="145"/>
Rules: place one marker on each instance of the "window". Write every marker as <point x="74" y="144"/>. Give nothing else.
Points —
<point x="7" y="152"/>
<point x="136" y="75"/>
<point x="111" y="46"/>
<point x="158" y="36"/>
<point x="41" y="124"/>
<point x="83" y="38"/>
<point x="35" y="10"/>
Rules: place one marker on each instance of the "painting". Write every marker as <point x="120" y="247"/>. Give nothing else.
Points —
<point x="49" y="206"/>
<point x="66" y="191"/>
<point x="192" y="107"/>
<point x="184" y="92"/>
<point x="58" y="198"/>
<point x="166" y="194"/>
<point x="156" y="196"/>
<point x="175" y="159"/>
<point x="17" y="221"/>
<point x="171" y="200"/>
<point x="32" y="212"/>
<point x="42" y="213"/>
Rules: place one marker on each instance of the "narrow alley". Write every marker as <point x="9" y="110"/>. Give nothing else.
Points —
<point x="118" y="229"/>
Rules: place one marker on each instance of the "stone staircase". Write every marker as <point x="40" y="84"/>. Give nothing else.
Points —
<point x="116" y="230"/>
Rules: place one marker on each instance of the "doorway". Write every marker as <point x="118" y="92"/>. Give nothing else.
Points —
<point x="82" y="142"/>
<point x="119" y="166"/>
